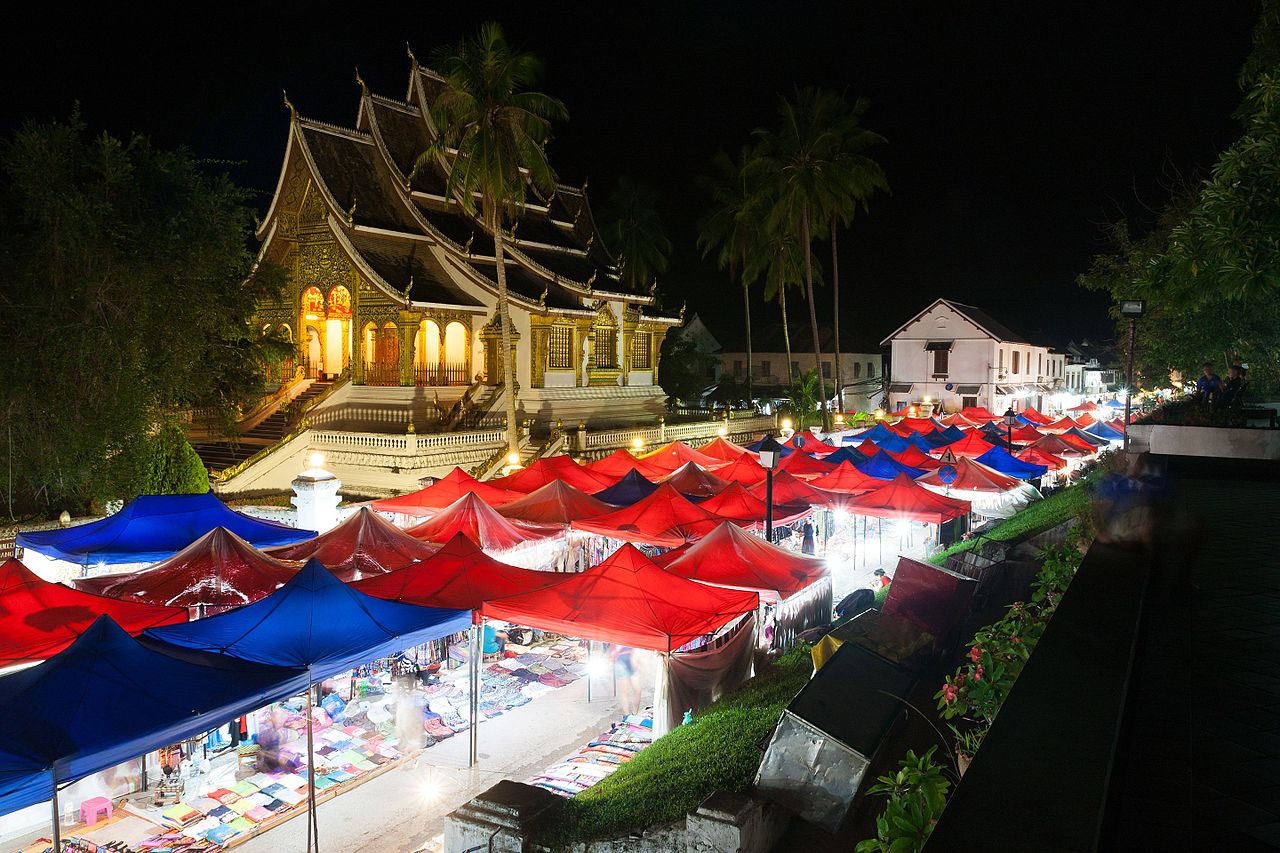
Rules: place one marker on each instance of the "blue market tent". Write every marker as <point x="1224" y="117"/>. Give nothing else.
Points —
<point x="884" y="467"/>
<point x="1006" y="463"/>
<point x="1102" y="429"/>
<point x="852" y="455"/>
<point x="879" y="433"/>
<point x="1085" y="435"/>
<point x="151" y="528"/>
<point x="317" y="622"/>
<point x="893" y="443"/>
<point x="109" y="698"/>
<point x="943" y="437"/>
<point x="992" y="429"/>
<point x="918" y="440"/>
<point x="754" y="447"/>
<point x="632" y="488"/>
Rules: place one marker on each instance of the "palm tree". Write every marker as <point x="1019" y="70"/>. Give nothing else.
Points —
<point x="731" y="230"/>
<point x="779" y="260"/>
<point x="499" y="131"/>
<point x="801" y="160"/>
<point x="866" y="177"/>
<point x="635" y="230"/>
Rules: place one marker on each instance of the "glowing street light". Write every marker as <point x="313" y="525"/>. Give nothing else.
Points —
<point x="770" y="455"/>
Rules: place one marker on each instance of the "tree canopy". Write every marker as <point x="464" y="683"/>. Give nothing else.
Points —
<point x="634" y="230"/>
<point x="128" y="289"/>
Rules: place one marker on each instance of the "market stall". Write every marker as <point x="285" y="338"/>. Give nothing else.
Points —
<point x="665" y="519"/>
<point x="1004" y="462"/>
<point x="723" y="449"/>
<point x="631" y="488"/>
<point x="550" y="469"/>
<point x="694" y="481"/>
<point x="745" y="470"/>
<point x="428" y="501"/>
<point x="216" y="572"/>
<point x="364" y="544"/>
<point x="533" y="546"/>
<point x="992" y="494"/>
<point x="619" y="463"/>
<point x="674" y="454"/>
<point x="744" y="509"/>
<point x="882" y="466"/>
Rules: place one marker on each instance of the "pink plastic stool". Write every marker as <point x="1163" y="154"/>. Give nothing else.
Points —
<point x="94" y="806"/>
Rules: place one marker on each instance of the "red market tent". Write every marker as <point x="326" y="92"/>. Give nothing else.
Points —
<point x="1032" y="415"/>
<point x="671" y="456"/>
<point x="695" y="481"/>
<point x="555" y="503"/>
<point x="1036" y="456"/>
<point x="1026" y="434"/>
<point x="745" y="470"/>
<point x="443" y="492"/>
<point x="971" y="476"/>
<point x="1086" y="406"/>
<point x="38" y="619"/>
<point x="868" y="447"/>
<point x="731" y="557"/>
<point x="1083" y="444"/>
<point x="723" y="449"/>
<point x="788" y="489"/>
<point x="665" y="519"/>
<point x="804" y="466"/>
<point x="480" y="523"/>
<point x="548" y="469"/>
<point x="812" y="444"/>
<point x="978" y="415"/>
<point x="958" y="420"/>
<point x="847" y="479"/>
<point x="629" y="601"/>
<point x="363" y="545"/>
<point x="914" y="457"/>
<point x="903" y="498"/>
<point x="217" y="571"/>
<point x="1059" y="446"/>
<point x="922" y="425"/>
<point x="620" y="462"/>
<point x="1062" y="424"/>
<point x="459" y="576"/>
<point x="1085" y="419"/>
<point x="741" y="507"/>
<point x="972" y="445"/>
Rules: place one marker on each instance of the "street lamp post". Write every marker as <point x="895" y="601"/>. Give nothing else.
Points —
<point x="770" y="453"/>
<point x="1132" y="309"/>
<point x="1010" y="418"/>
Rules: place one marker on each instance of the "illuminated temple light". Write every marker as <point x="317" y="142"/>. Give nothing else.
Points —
<point x="316" y="460"/>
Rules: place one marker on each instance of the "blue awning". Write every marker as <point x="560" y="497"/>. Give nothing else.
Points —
<point x="317" y="622"/>
<point x="1102" y="429"/>
<point x="1006" y="463"/>
<point x="108" y="698"/>
<point x="154" y="527"/>
<point x="879" y="433"/>
<point x="852" y="455"/>
<point x="884" y="467"/>
<point x="632" y="488"/>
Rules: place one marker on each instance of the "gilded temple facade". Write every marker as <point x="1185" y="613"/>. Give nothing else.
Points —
<point x="392" y="283"/>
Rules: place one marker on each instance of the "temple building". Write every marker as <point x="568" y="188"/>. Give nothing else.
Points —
<point x="394" y="285"/>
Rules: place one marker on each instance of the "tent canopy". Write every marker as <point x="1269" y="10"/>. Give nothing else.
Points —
<point x="1026" y="434"/>
<point x="879" y="433"/>
<point x="1062" y="424"/>
<point x="731" y="557"/>
<point x="914" y="457"/>
<point x="1063" y="445"/>
<point x="109" y="698"/>
<point x="1102" y="429"/>
<point x="318" y="623"/>
<point x="557" y="502"/>
<point x="972" y="445"/>
<point x="755" y="446"/>
<point x="1035" y="417"/>
<point x="459" y="575"/>
<point x="868" y="448"/>
<point x="621" y="462"/>
<point x="788" y="489"/>
<point x="977" y="415"/>
<point x="694" y="481"/>
<point x="1086" y="406"/>
<point x="365" y="544"/>
<point x="741" y="507"/>
<point x="38" y="619"/>
<point x="671" y="456"/>
<point x="549" y="469"/>
<point x="665" y="518"/>
<point x="154" y="527"/>
<point x="919" y="424"/>
<point x="846" y="478"/>
<point x="1086" y="436"/>
<point x="632" y="488"/>
<point x="443" y="492"/>
<point x="481" y="523"/>
<point x="1001" y="460"/>
<point x="745" y="470"/>
<point x="217" y="570"/>
<point x="845" y="454"/>
<point x="627" y="600"/>
<point x="723" y="449"/>
<point x="971" y="476"/>
<point x="884" y="467"/>
<point x="804" y="466"/>
<point x="903" y="498"/>
<point x="1036" y="456"/>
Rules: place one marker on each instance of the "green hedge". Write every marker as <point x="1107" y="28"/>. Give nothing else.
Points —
<point x="719" y="750"/>
<point x="1064" y="505"/>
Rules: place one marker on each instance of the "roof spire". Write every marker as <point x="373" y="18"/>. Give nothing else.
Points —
<point x="363" y="88"/>
<point x="409" y="49"/>
<point x="293" y="113"/>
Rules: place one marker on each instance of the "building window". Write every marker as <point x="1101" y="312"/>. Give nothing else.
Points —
<point x="560" y="348"/>
<point x="1001" y="368"/>
<point x="857" y="370"/>
<point x="871" y="370"/>
<point x="1015" y="361"/>
<point x="968" y="402"/>
<point x="642" y="351"/>
<point x="737" y="367"/>
<point x="765" y="368"/>
<point x="606" y="349"/>
<point x="795" y="368"/>
<point x="826" y="370"/>
<point x="941" y="358"/>
<point x="1039" y="364"/>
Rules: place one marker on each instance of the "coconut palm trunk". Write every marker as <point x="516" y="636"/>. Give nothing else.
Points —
<point x="786" y="328"/>
<point x="835" y="314"/>
<point x="813" y="312"/>
<point x="746" y="304"/>
<point x="504" y="318"/>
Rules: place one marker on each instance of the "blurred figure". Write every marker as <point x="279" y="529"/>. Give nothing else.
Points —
<point x="408" y="711"/>
<point x="1209" y="385"/>
<point x="624" y="670"/>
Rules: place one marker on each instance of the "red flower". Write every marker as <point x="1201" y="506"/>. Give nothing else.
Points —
<point x="948" y="693"/>
<point x="977" y="675"/>
<point x="975" y="654"/>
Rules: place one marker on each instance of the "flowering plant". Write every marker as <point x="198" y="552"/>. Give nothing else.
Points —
<point x="917" y="795"/>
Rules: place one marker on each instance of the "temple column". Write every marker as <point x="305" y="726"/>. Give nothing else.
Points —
<point x="407" y="326"/>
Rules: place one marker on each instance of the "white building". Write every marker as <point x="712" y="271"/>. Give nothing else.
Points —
<point x="1086" y="376"/>
<point x="960" y="356"/>
<point x="861" y="364"/>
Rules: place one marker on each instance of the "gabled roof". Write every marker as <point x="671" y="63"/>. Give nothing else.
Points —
<point x="980" y="318"/>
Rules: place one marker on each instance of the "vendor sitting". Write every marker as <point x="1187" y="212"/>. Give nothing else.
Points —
<point x="495" y="638"/>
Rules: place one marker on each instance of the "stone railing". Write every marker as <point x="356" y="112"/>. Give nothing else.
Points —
<point x="409" y="444"/>
<point x="590" y="442"/>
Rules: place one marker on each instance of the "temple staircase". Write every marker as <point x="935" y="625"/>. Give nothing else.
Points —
<point x="225" y="453"/>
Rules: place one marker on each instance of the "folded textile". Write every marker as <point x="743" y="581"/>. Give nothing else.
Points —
<point x="220" y="834"/>
<point x="240" y="806"/>
<point x="258" y="814"/>
<point x="244" y="788"/>
<point x="323" y="782"/>
<point x="181" y="814"/>
<point x="277" y="806"/>
<point x="290" y="797"/>
<point x="224" y="796"/>
<point x="223" y="814"/>
<point x="241" y="824"/>
<point x="199" y="830"/>
<point x="204" y="805"/>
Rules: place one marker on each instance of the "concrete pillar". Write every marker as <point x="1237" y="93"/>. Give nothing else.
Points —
<point x="316" y="497"/>
<point x="500" y="820"/>
<point x="734" y="823"/>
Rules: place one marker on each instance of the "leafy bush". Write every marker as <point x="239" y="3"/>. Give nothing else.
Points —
<point x="719" y="750"/>
<point x="917" y="795"/>
<point x="171" y="466"/>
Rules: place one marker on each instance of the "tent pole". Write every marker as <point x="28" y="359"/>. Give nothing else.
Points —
<point x="312" y="824"/>
<point x="57" y="821"/>
<point x="477" y="649"/>
<point x="590" y="655"/>
<point x="661" y="699"/>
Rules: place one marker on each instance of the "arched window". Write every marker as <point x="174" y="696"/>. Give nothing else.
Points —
<point x="605" y="351"/>
<point x="266" y="329"/>
<point x="339" y="303"/>
<point x="427" y="349"/>
<point x="389" y="345"/>
<point x="286" y="332"/>
<point x="313" y="303"/>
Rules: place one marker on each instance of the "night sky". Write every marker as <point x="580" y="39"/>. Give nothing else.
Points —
<point x="1014" y="133"/>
